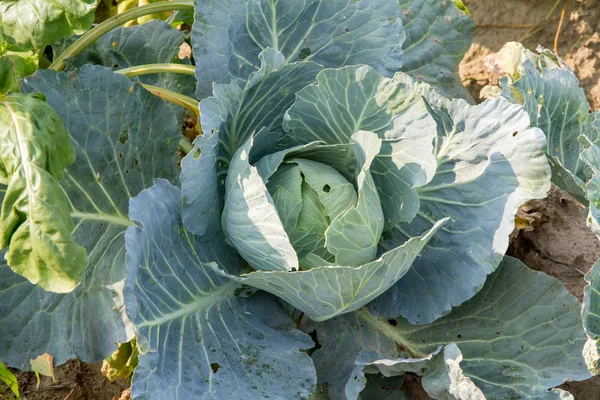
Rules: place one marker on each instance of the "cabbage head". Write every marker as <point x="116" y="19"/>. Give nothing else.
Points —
<point x="337" y="186"/>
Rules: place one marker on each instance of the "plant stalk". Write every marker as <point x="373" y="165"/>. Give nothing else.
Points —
<point x="186" y="145"/>
<point x="149" y="69"/>
<point x="114" y="22"/>
<point x="175" y="98"/>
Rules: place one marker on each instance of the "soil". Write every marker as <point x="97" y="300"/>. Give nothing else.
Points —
<point x="527" y="21"/>
<point x="74" y="380"/>
<point x="560" y="243"/>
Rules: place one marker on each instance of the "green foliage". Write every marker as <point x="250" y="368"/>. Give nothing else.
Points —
<point x="11" y="381"/>
<point x="340" y="221"/>
<point x="14" y="66"/>
<point x="33" y="24"/>
<point x="35" y="219"/>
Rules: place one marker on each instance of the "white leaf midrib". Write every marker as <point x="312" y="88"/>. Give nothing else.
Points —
<point x="203" y="302"/>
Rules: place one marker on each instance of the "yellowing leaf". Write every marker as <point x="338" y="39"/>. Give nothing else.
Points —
<point x="122" y="362"/>
<point x="43" y="365"/>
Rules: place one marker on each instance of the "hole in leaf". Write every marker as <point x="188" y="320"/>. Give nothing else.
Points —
<point x="124" y="137"/>
<point x="120" y="155"/>
<point x="392" y="322"/>
<point x="327" y="188"/>
<point x="135" y="161"/>
<point x="215" y="367"/>
<point x="345" y="30"/>
<point x="196" y="154"/>
<point x="305" y="52"/>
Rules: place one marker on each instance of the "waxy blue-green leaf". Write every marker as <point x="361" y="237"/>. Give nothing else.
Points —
<point x="204" y="338"/>
<point x="15" y="65"/>
<point x="324" y="292"/>
<point x="250" y="219"/>
<point x="520" y="336"/>
<point x="199" y="182"/>
<point x="332" y="335"/>
<point x="591" y="158"/>
<point x="228" y="35"/>
<point x="591" y="318"/>
<point x="28" y="24"/>
<point x="551" y="95"/>
<point x="353" y="236"/>
<point x="438" y="34"/>
<point x="35" y="219"/>
<point x="351" y="99"/>
<point x="124" y="137"/>
<point x="442" y="376"/>
<point x="149" y="43"/>
<point x="591" y="297"/>
<point x="490" y="162"/>
<point x="234" y="114"/>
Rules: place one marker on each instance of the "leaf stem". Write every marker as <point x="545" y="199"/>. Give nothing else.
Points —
<point x="391" y="332"/>
<point x="175" y="98"/>
<point x="148" y="69"/>
<point x="186" y="145"/>
<point x="114" y="22"/>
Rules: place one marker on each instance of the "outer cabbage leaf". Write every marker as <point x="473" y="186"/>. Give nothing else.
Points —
<point x="152" y="42"/>
<point x="326" y="291"/>
<point x="351" y="99"/>
<point x="591" y="158"/>
<point x="204" y="339"/>
<point x="438" y="34"/>
<point x="591" y="318"/>
<point x="489" y="163"/>
<point x="37" y="23"/>
<point x="123" y="137"/>
<point x="233" y="115"/>
<point x="524" y="322"/>
<point x="35" y="222"/>
<point x="228" y="35"/>
<point x="550" y="93"/>
<point x="443" y="377"/>
<point x="15" y="65"/>
<point x="591" y="298"/>
<point x="201" y="200"/>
